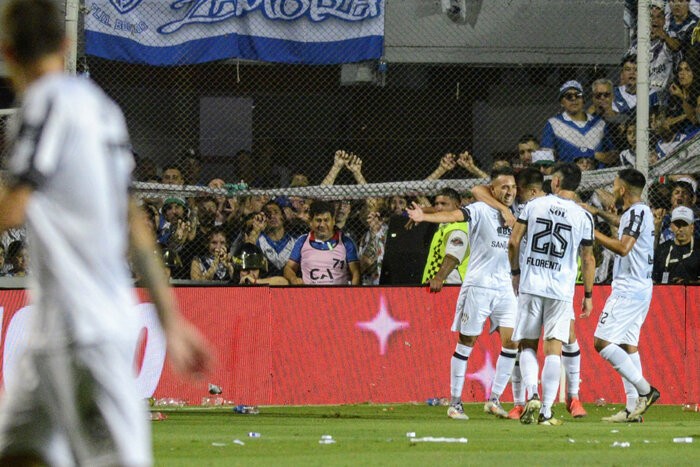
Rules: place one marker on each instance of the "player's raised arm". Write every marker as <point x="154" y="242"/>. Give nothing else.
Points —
<point x="416" y="213"/>
<point x="483" y="193"/>
<point x="187" y="349"/>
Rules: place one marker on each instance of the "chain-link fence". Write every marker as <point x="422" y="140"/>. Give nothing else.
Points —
<point x="457" y="86"/>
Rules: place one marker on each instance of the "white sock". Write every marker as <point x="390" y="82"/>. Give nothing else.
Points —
<point x="504" y="368"/>
<point x="571" y="358"/>
<point x="458" y="368"/>
<point x="529" y="369"/>
<point x="623" y="364"/>
<point x="516" y="381"/>
<point x="630" y="390"/>
<point x="551" y="372"/>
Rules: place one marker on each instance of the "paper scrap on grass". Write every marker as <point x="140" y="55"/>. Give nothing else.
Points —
<point x="431" y="439"/>
<point x="620" y="444"/>
<point x="239" y="442"/>
<point x="218" y="445"/>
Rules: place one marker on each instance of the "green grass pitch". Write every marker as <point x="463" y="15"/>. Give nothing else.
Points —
<point x="376" y="435"/>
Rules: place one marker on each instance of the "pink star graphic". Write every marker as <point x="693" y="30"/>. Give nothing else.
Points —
<point x="485" y="374"/>
<point x="382" y="325"/>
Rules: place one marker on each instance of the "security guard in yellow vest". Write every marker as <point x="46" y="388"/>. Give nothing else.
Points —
<point x="449" y="250"/>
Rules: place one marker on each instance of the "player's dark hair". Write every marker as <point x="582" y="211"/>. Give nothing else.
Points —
<point x="32" y="29"/>
<point x="526" y="138"/>
<point x="499" y="170"/>
<point x="450" y="193"/>
<point x="570" y="175"/>
<point x="529" y="177"/>
<point x="633" y="177"/>
<point x="321" y="207"/>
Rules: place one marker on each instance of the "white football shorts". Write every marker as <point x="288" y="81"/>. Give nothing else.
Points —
<point x="475" y="304"/>
<point x="621" y="320"/>
<point x="76" y="406"/>
<point x="536" y="313"/>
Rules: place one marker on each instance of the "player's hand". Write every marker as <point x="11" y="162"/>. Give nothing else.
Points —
<point x="188" y="351"/>
<point x="435" y="285"/>
<point x="415" y="212"/>
<point x="587" y="308"/>
<point x="508" y="217"/>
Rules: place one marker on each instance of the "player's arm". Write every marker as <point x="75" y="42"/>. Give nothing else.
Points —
<point x="416" y="213"/>
<point x="516" y="236"/>
<point x="482" y="193"/>
<point x="186" y="347"/>
<point x="621" y="247"/>
<point x="588" y="273"/>
<point x="609" y="217"/>
<point x="13" y="205"/>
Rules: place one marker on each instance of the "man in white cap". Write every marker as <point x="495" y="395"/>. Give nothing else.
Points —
<point x="573" y="133"/>
<point x="678" y="261"/>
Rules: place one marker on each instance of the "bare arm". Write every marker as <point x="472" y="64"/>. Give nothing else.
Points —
<point x="290" y="273"/>
<point x="483" y="193"/>
<point x="354" y="272"/>
<point x="609" y="217"/>
<point x="447" y="163"/>
<point x="416" y="213"/>
<point x="338" y="162"/>
<point x="516" y="237"/>
<point x="607" y="158"/>
<point x="447" y="266"/>
<point x="187" y="349"/>
<point x="621" y="247"/>
<point x="588" y="272"/>
<point x="13" y="206"/>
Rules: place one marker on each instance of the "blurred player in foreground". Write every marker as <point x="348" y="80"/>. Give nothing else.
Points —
<point x="74" y="400"/>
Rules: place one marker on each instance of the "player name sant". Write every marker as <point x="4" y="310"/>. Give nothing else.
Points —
<point x="543" y="263"/>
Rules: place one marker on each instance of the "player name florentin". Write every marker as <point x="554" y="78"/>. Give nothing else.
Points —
<point x="544" y="263"/>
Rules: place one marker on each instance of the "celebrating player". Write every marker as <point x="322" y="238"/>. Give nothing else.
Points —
<point x="556" y="227"/>
<point x="529" y="186"/>
<point x="617" y="334"/>
<point x="485" y="292"/>
<point x="75" y="401"/>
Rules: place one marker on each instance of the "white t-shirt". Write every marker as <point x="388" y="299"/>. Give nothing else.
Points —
<point x="488" y="247"/>
<point x="72" y="146"/>
<point x="632" y="273"/>
<point x="555" y="229"/>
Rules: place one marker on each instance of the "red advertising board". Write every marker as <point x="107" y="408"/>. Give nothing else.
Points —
<point x="331" y="345"/>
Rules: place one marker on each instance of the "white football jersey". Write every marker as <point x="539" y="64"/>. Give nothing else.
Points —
<point x="488" y="248"/>
<point x="555" y="229"/>
<point x="71" y="146"/>
<point x="632" y="273"/>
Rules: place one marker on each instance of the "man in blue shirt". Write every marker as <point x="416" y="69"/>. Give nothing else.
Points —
<point x="573" y="133"/>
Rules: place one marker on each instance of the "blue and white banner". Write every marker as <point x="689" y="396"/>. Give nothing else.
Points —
<point x="182" y="32"/>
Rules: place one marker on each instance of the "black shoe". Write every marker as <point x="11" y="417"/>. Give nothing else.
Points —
<point x="644" y="402"/>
